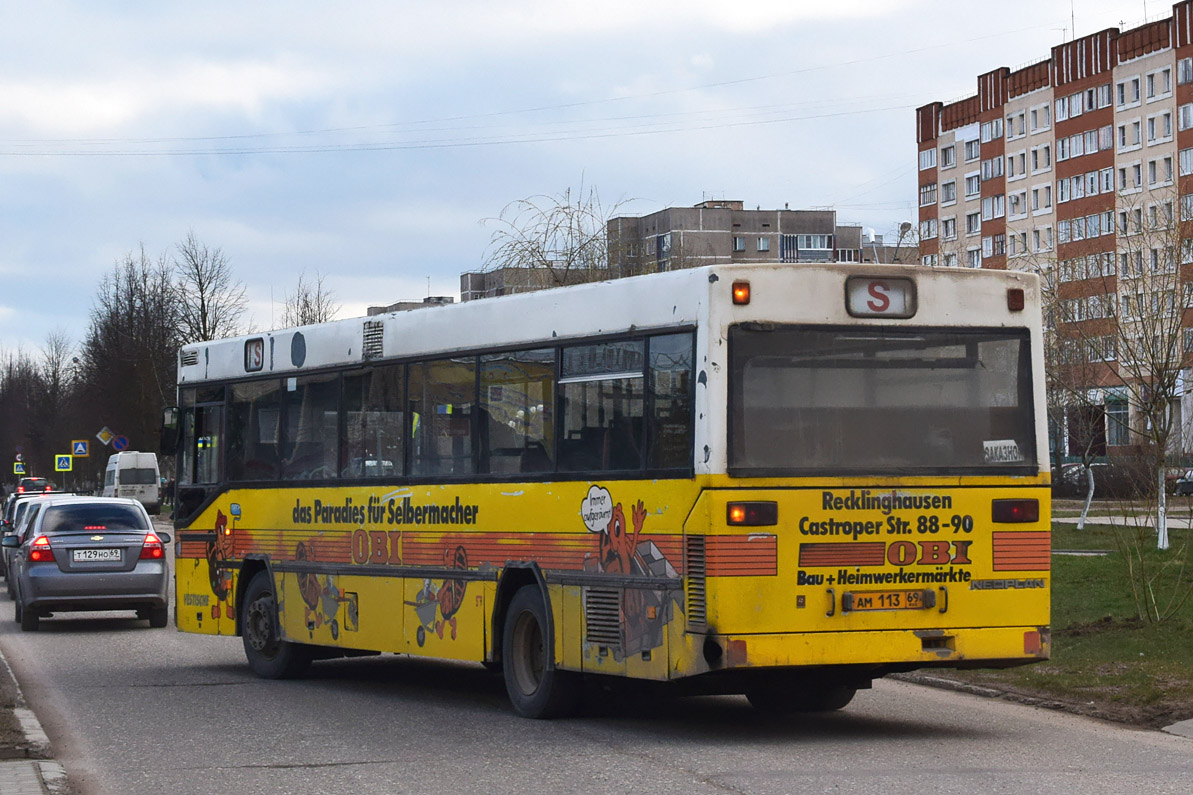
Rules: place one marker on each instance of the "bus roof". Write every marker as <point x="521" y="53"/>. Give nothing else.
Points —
<point x="653" y="302"/>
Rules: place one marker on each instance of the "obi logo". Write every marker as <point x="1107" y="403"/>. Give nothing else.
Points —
<point x="929" y="553"/>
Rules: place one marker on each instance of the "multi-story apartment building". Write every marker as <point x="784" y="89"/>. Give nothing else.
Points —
<point x="1074" y="165"/>
<point x="724" y="231"/>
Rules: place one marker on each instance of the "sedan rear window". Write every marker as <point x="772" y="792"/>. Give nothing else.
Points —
<point x="92" y="517"/>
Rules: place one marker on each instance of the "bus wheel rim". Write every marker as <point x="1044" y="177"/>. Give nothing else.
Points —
<point x="258" y="626"/>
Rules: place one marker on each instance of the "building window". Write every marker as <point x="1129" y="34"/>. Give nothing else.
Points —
<point x="948" y="157"/>
<point x="764" y="244"/>
<point x="739" y="243"/>
<point x="1117" y="417"/>
<point x="973" y="150"/>
<point x="927" y="159"/>
<point x="928" y="228"/>
<point x="1184" y="118"/>
<point x="973" y="257"/>
<point x="948" y="228"/>
<point x="973" y="223"/>
<point x="1186" y="162"/>
<point x="927" y="195"/>
<point x="948" y="192"/>
<point x="973" y="184"/>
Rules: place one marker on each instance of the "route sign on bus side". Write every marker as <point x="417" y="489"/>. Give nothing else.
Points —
<point x="63" y="463"/>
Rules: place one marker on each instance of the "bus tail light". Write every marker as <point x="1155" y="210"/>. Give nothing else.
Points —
<point x="752" y="514"/>
<point x="40" y="552"/>
<point x="1015" y="511"/>
<point x="741" y="293"/>
<point x="151" y="549"/>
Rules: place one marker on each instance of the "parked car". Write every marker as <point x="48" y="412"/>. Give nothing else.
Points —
<point x="88" y="553"/>
<point x="1184" y="484"/>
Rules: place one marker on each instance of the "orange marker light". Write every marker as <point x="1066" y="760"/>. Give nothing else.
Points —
<point x="741" y="293"/>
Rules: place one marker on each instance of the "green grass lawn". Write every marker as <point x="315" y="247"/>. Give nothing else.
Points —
<point x="1103" y="656"/>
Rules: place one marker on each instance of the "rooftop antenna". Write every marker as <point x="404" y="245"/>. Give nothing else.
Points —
<point x="428" y="287"/>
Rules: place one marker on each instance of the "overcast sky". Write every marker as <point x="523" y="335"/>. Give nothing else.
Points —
<point x="369" y="141"/>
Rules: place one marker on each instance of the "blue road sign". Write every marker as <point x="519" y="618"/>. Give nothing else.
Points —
<point x="63" y="463"/>
<point x="18" y="468"/>
<point x="80" y="447"/>
<point x="120" y="443"/>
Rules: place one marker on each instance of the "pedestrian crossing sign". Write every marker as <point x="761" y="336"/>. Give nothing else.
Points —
<point x="63" y="463"/>
<point x="18" y="467"/>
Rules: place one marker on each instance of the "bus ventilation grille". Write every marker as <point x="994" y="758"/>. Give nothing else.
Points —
<point x="602" y="617"/>
<point x="371" y="347"/>
<point x="697" y="604"/>
<point x="190" y="358"/>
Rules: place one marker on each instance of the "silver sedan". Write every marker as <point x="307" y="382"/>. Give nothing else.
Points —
<point x="88" y="553"/>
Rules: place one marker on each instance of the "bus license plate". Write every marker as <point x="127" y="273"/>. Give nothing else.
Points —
<point x="87" y="555"/>
<point x="888" y="600"/>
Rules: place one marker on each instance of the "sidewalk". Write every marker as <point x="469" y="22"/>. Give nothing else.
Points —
<point x="25" y="766"/>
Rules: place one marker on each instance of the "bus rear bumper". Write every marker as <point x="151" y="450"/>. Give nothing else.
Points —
<point x="888" y="650"/>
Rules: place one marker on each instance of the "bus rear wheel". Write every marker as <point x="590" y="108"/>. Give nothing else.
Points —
<point x="269" y="656"/>
<point x="536" y="688"/>
<point x="782" y="699"/>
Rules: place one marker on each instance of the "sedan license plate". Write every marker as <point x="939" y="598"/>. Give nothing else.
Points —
<point x="88" y="555"/>
<point x="888" y="600"/>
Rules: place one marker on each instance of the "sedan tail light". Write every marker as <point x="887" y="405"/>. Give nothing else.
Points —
<point x="152" y="548"/>
<point x="40" y="552"/>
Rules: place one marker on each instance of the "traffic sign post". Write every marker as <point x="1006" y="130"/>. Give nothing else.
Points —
<point x="105" y="435"/>
<point x="80" y="448"/>
<point x="120" y="443"/>
<point x="63" y="463"/>
<point x="18" y="467"/>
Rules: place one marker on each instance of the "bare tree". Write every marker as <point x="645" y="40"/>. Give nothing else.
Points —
<point x="310" y="302"/>
<point x="562" y="236"/>
<point x="1120" y="329"/>
<point x="211" y="301"/>
<point x="128" y="359"/>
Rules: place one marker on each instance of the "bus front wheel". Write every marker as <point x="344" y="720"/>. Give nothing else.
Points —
<point x="269" y="656"/>
<point x="536" y="688"/>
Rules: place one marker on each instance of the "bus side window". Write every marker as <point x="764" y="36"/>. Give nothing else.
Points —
<point x="254" y="416"/>
<point x="443" y="393"/>
<point x="669" y="432"/>
<point x="309" y="449"/>
<point x="602" y="401"/>
<point x="517" y="418"/>
<point x="374" y="443"/>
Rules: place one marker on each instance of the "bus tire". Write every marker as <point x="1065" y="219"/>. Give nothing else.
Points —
<point x="536" y="688"/>
<point x="802" y="697"/>
<point x="269" y="656"/>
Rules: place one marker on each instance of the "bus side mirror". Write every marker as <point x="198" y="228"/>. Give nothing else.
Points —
<point x="168" y="440"/>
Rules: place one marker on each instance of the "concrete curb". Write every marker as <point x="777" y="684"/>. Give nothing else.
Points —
<point x="37" y="773"/>
<point x="1181" y="729"/>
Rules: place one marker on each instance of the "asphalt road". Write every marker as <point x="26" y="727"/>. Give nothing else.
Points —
<point x="134" y="710"/>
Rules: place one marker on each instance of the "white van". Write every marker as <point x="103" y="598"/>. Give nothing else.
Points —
<point x="133" y="474"/>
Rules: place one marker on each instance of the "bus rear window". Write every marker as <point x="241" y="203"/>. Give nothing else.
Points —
<point x="862" y="400"/>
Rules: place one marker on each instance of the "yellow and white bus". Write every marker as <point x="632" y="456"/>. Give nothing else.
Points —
<point x="783" y="481"/>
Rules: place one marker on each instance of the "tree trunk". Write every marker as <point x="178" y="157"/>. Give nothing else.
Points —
<point x="1089" y="496"/>
<point x="1161" y="511"/>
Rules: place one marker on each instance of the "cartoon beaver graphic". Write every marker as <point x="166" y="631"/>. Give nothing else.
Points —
<point x="219" y="551"/>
